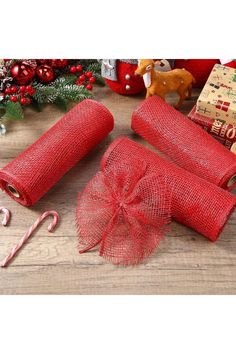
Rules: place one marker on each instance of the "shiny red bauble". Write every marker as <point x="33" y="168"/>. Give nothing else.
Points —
<point x="89" y="87"/>
<point x="59" y="63"/>
<point x="45" y="74"/>
<point x="22" y="73"/>
<point x="199" y="68"/>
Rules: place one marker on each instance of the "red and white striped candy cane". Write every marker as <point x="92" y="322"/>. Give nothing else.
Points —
<point x="27" y="235"/>
<point x="7" y="215"/>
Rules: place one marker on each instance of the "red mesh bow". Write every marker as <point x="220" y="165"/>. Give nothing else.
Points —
<point x="124" y="210"/>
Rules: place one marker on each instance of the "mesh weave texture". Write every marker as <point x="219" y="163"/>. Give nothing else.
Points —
<point x="40" y="166"/>
<point x="196" y="203"/>
<point x="124" y="210"/>
<point x="184" y="142"/>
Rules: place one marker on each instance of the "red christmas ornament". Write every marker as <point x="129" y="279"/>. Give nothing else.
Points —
<point x="199" y="68"/>
<point x="45" y="74"/>
<point x="22" y="73"/>
<point x="89" y="87"/>
<point x="59" y="63"/>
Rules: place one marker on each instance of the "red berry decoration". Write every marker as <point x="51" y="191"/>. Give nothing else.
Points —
<point x="92" y="80"/>
<point x="13" y="99"/>
<point x="22" y="89"/>
<point x="79" y="68"/>
<point x="45" y="74"/>
<point x="30" y="90"/>
<point x="89" y="87"/>
<point x="23" y="100"/>
<point x="8" y="91"/>
<point x="59" y="63"/>
<point x="73" y="69"/>
<point x="89" y="74"/>
<point x="82" y="78"/>
<point x="13" y="89"/>
<point x="22" y="73"/>
<point x="79" y="83"/>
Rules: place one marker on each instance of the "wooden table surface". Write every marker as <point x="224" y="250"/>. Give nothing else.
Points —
<point x="185" y="262"/>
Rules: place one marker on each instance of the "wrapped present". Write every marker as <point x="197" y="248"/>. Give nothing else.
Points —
<point x="220" y="130"/>
<point x="218" y="97"/>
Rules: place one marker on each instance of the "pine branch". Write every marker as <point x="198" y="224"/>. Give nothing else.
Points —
<point x="13" y="110"/>
<point x="62" y="90"/>
<point x="62" y="104"/>
<point x="96" y="70"/>
<point x="65" y="80"/>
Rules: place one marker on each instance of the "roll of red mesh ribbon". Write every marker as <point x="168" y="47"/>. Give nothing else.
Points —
<point x="196" y="202"/>
<point x="184" y="142"/>
<point x="30" y="175"/>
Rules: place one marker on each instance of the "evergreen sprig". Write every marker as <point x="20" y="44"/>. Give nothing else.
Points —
<point x="63" y="88"/>
<point x="96" y="70"/>
<point x="13" y="110"/>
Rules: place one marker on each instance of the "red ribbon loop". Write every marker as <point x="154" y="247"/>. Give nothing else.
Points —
<point x="124" y="210"/>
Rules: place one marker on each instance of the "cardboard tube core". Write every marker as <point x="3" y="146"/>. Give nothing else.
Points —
<point x="13" y="191"/>
<point x="231" y="181"/>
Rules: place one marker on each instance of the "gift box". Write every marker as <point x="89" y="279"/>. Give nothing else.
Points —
<point x="218" y="97"/>
<point x="220" y="130"/>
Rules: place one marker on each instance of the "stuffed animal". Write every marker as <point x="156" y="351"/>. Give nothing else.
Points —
<point x="119" y="76"/>
<point x="160" y="83"/>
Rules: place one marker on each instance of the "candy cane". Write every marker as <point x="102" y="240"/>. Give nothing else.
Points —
<point x="7" y="215"/>
<point x="27" y="235"/>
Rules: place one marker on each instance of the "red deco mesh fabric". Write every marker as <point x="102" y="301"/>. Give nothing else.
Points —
<point x="195" y="202"/>
<point x="124" y="210"/>
<point x="184" y="142"/>
<point x="40" y="166"/>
